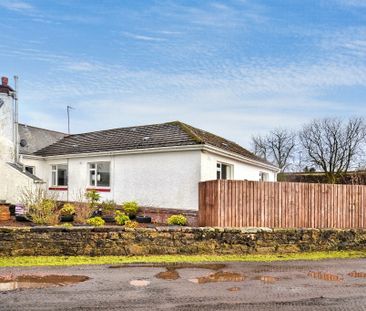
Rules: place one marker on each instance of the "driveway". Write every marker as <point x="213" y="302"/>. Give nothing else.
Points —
<point x="300" y="285"/>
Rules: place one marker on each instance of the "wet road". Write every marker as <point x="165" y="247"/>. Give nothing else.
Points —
<point x="301" y="285"/>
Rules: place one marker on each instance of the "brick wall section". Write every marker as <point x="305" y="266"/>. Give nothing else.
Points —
<point x="161" y="215"/>
<point x="170" y="240"/>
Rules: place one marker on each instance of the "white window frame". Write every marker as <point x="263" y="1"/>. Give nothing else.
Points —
<point x="229" y="172"/>
<point x="90" y="169"/>
<point x="263" y="176"/>
<point x="32" y="167"/>
<point x="54" y="175"/>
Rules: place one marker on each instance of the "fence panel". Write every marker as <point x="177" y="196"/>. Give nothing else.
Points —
<point x="231" y="203"/>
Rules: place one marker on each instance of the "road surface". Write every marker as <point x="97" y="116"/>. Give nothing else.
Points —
<point x="298" y="285"/>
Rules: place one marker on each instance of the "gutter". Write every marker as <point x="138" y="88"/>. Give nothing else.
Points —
<point x="122" y="152"/>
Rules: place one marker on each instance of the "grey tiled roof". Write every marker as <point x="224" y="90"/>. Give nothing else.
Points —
<point x="36" y="138"/>
<point x="142" y="137"/>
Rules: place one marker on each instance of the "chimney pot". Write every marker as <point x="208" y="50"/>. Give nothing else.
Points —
<point x="4" y="81"/>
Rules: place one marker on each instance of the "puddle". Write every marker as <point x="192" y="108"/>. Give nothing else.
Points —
<point x="356" y="274"/>
<point x="219" y="277"/>
<point x="169" y="275"/>
<point x="36" y="281"/>
<point x="268" y="279"/>
<point x="325" y="276"/>
<point x="172" y="274"/>
<point x="233" y="289"/>
<point x="139" y="283"/>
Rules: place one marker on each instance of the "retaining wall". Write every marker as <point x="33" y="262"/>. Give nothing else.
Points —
<point x="91" y="241"/>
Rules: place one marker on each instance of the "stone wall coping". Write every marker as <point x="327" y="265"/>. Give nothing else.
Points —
<point x="106" y="229"/>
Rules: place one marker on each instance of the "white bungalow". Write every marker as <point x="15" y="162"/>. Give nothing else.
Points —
<point x="158" y="165"/>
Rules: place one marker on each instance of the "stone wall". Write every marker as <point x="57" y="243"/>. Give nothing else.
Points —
<point x="170" y="240"/>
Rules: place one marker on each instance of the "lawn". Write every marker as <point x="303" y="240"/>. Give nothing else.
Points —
<point x="28" y="261"/>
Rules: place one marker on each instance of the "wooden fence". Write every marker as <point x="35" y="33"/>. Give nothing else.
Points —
<point x="231" y="203"/>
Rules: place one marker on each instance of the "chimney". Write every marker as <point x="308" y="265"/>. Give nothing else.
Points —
<point x="4" y="81"/>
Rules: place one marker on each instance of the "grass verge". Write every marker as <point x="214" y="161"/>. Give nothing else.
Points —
<point x="28" y="261"/>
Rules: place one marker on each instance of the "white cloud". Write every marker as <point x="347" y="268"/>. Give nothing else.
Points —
<point x="16" y="5"/>
<point x="142" y="37"/>
<point x="355" y="3"/>
<point x="82" y="66"/>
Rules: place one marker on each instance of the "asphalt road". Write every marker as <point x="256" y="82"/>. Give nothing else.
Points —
<point x="301" y="285"/>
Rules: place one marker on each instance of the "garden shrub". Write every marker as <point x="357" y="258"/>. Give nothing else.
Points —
<point x="121" y="218"/>
<point x="82" y="210"/>
<point x="93" y="198"/>
<point x="82" y="213"/>
<point x="131" y="224"/>
<point x="131" y="208"/>
<point x="40" y="205"/>
<point x="96" y="221"/>
<point x="179" y="220"/>
<point x="44" y="213"/>
<point x="108" y="207"/>
<point x="68" y="209"/>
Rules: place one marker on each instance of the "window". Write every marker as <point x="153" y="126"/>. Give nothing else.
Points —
<point x="59" y="175"/>
<point x="99" y="174"/>
<point x="224" y="171"/>
<point x="263" y="176"/>
<point x="30" y="169"/>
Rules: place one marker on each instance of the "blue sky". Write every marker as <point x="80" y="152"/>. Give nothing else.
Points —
<point x="235" y="68"/>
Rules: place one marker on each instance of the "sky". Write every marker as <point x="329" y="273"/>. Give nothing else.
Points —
<point x="236" y="68"/>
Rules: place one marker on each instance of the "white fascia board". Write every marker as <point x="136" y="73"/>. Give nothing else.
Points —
<point x="124" y="152"/>
<point x="240" y="158"/>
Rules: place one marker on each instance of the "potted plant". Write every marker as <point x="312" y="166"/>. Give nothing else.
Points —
<point x="131" y="208"/>
<point x="4" y="212"/>
<point x="93" y="198"/>
<point x="67" y="213"/>
<point x="143" y="219"/>
<point x="108" y="209"/>
<point x="121" y="218"/>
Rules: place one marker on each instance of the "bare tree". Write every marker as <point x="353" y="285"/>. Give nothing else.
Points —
<point x="278" y="147"/>
<point x="333" y="145"/>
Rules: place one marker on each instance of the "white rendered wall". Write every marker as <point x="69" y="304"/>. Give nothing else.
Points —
<point x="40" y="166"/>
<point x="165" y="180"/>
<point x="13" y="183"/>
<point x="242" y="170"/>
<point x="6" y="129"/>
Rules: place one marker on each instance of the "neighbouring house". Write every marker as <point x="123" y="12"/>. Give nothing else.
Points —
<point x="158" y="165"/>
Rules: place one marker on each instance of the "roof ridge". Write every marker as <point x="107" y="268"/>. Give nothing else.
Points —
<point x="187" y="128"/>
<point x="191" y="128"/>
<point x="126" y="127"/>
